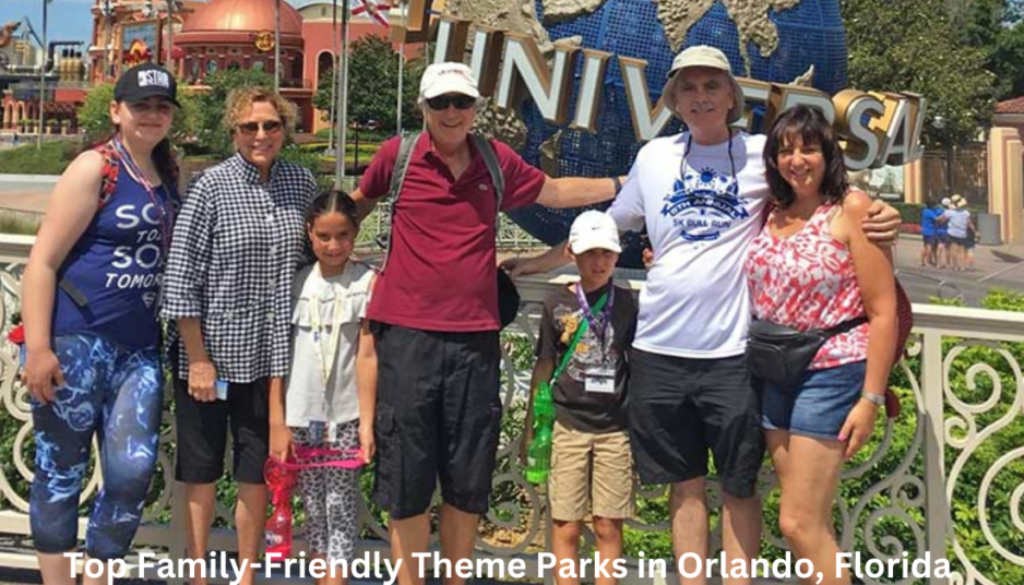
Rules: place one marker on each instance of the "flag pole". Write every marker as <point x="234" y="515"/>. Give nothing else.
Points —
<point x="42" y="80"/>
<point x="277" y="45"/>
<point x="401" y="73"/>
<point x="334" y="79"/>
<point x="170" y="38"/>
<point x="342" y="121"/>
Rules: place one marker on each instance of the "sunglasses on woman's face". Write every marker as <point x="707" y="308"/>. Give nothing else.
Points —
<point x="269" y="127"/>
<point x="441" y="102"/>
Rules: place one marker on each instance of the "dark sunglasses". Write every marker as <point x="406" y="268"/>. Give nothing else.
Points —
<point x="441" y="102"/>
<point x="269" y="127"/>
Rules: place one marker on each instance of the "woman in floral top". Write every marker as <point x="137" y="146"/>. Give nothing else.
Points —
<point x="812" y="267"/>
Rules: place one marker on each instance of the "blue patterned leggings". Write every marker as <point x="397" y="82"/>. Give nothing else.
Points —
<point x="117" y="394"/>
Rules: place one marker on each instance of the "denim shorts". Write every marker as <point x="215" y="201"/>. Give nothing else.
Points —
<point x="819" y="406"/>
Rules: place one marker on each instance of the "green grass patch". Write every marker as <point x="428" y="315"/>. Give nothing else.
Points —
<point x="365" y="149"/>
<point x="18" y="224"/>
<point x="51" y="159"/>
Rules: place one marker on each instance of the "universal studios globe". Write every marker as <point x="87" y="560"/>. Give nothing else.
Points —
<point x="781" y="40"/>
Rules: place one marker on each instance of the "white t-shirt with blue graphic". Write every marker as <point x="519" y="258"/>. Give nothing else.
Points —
<point x="700" y="216"/>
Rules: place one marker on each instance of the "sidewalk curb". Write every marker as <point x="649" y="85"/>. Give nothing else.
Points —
<point x="33" y="179"/>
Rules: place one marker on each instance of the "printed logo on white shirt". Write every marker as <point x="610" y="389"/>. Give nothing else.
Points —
<point x="704" y="204"/>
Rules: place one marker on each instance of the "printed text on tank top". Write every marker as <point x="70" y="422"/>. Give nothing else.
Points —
<point x="165" y="212"/>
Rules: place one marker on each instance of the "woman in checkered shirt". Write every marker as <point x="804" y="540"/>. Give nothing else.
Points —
<point x="237" y="246"/>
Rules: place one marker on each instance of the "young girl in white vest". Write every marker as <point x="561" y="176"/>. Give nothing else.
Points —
<point x="327" y="402"/>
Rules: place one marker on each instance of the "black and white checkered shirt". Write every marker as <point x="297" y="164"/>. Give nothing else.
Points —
<point x="236" y="248"/>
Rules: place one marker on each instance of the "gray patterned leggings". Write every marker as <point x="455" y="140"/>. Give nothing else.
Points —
<point x="330" y="494"/>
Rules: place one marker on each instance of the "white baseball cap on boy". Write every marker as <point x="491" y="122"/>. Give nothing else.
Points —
<point x="441" y="78"/>
<point x="594" y="230"/>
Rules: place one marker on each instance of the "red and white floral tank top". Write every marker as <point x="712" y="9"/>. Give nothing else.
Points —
<point x="807" y="281"/>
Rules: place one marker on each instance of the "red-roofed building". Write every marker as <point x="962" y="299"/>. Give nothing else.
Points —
<point x="208" y="36"/>
<point x="1010" y="113"/>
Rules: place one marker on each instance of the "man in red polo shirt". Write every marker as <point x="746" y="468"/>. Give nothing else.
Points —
<point x="435" y="316"/>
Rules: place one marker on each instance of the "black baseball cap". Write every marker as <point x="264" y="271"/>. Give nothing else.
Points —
<point x="144" y="81"/>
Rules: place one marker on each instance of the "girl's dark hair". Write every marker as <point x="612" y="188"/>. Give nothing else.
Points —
<point x="333" y="201"/>
<point x="166" y="163"/>
<point x="813" y="128"/>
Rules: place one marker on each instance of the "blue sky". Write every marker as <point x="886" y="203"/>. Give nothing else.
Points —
<point x="70" y="20"/>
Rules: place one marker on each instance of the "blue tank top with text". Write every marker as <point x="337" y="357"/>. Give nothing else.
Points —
<point x="116" y="267"/>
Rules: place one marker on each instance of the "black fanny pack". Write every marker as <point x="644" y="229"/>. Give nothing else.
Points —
<point x="779" y="355"/>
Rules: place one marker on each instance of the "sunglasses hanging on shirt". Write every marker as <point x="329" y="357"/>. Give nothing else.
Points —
<point x="733" y="188"/>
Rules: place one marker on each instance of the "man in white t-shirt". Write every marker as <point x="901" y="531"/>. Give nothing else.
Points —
<point x="702" y="196"/>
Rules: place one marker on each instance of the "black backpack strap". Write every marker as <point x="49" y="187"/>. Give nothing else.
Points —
<point x="397" y="180"/>
<point x="402" y="163"/>
<point x="486" y="150"/>
<point x="108" y="184"/>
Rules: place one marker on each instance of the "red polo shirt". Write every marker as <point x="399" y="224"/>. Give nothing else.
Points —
<point x="441" y="274"/>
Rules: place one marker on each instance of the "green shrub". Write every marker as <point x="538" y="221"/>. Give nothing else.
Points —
<point x="364" y="135"/>
<point x="366" y="149"/>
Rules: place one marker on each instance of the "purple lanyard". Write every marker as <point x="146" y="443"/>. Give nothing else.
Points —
<point x="598" y="323"/>
<point x="163" y="209"/>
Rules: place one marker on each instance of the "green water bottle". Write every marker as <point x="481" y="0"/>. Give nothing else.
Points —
<point x="538" y="455"/>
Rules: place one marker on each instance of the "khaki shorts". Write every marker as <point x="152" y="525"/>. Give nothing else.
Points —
<point x="590" y="466"/>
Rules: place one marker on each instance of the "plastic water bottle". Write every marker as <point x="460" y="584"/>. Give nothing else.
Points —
<point x="279" y="530"/>
<point x="538" y="455"/>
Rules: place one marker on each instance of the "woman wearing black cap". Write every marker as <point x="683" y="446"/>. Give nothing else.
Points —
<point x="92" y="334"/>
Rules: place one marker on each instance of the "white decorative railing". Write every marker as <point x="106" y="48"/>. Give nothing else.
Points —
<point x="946" y="478"/>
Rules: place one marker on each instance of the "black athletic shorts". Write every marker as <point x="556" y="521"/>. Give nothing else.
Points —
<point x="681" y="408"/>
<point x="203" y="432"/>
<point x="438" y="417"/>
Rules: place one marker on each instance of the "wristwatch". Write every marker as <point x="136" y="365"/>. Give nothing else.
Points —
<point x="876" y="399"/>
<point x="617" y="183"/>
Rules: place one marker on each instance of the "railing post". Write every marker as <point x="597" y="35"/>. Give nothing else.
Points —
<point x="937" y="518"/>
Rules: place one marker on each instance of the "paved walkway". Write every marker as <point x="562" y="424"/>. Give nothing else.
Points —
<point x="995" y="266"/>
<point x="25" y="193"/>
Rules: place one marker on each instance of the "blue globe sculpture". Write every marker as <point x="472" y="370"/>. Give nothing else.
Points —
<point x="806" y="33"/>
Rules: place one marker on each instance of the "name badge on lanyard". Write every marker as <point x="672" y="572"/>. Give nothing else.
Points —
<point x="598" y="378"/>
<point x="325" y="355"/>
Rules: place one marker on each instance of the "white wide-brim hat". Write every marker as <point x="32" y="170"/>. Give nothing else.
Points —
<point x="702" y="56"/>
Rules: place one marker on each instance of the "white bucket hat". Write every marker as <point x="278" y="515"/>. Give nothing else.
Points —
<point x="702" y="56"/>
<point x="592" y="230"/>
<point x="441" y="78"/>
